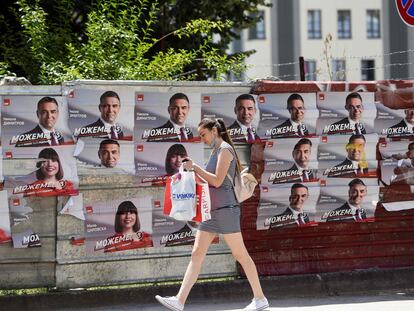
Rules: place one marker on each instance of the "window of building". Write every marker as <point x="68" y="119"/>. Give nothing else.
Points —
<point x="310" y="70"/>
<point x="367" y="70"/>
<point x="344" y="24"/>
<point x="338" y="70"/>
<point x="373" y="24"/>
<point x="258" y="31"/>
<point x="314" y="24"/>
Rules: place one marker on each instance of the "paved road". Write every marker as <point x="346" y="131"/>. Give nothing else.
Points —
<point x="403" y="301"/>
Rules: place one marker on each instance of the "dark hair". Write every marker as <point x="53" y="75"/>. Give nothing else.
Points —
<point x="411" y="145"/>
<point x="209" y="124"/>
<point x="356" y="181"/>
<point x="48" y="154"/>
<point x="293" y="97"/>
<point x="124" y="207"/>
<point x="245" y="97"/>
<point x="350" y="96"/>
<point x="303" y="141"/>
<point x="356" y="136"/>
<point x="108" y="94"/>
<point x="178" y="96"/>
<point x="108" y="142"/>
<point x="46" y="99"/>
<point x="176" y="149"/>
<point x="296" y="186"/>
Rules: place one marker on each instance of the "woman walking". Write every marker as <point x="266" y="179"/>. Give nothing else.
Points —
<point x="225" y="216"/>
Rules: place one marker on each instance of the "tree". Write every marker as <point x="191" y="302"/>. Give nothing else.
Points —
<point x="117" y="39"/>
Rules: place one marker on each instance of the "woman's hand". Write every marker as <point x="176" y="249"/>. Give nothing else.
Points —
<point x="188" y="164"/>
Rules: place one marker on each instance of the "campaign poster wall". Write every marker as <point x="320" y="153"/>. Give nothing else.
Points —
<point x="24" y="233"/>
<point x="118" y="225"/>
<point x="5" y="232"/>
<point x="347" y="200"/>
<point x="276" y="119"/>
<point x="287" y="207"/>
<point x="336" y="119"/>
<point x="291" y="160"/>
<point x="240" y="119"/>
<point x="104" y="156"/>
<point x="33" y="121"/>
<point x="153" y="116"/>
<point x="41" y="171"/>
<point x="112" y="119"/>
<point x="398" y="197"/>
<point x="154" y="162"/>
<point x="397" y="164"/>
<point x="348" y="156"/>
<point x="394" y="123"/>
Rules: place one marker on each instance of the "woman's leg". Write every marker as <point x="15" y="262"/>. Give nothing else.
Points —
<point x="200" y="248"/>
<point x="239" y="251"/>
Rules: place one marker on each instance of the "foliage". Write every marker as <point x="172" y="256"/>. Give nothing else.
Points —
<point x="118" y="41"/>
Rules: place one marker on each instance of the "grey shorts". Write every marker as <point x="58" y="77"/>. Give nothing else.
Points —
<point x="223" y="220"/>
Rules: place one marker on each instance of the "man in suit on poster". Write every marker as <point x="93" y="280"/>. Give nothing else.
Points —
<point x="175" y="129"/>
<point x="354" y="165"/>
<point x="351" y="211"/>
<point x="106" y="126"/>
<point x="242" y="129"/>
<point x="299" y="171"/>
<point x="404" y="127"/>
<point x="109" y="153"/>
<point x="353" y="123"/>
<point x="44" y="134"/>
<point x="294" y="126"/>
<point x="294" y="215"/>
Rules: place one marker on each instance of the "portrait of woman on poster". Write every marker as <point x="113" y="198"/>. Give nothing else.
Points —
<point x="174" y="158"/>
<point x="128" y="226"/>
<point x="49" y="175"/>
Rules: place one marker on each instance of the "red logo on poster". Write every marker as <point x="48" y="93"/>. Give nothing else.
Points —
<point x="321" y="96"/>
<point x="324" y="139"/>
<point x="71" y="94"/>
<point x="206" y="99"/>
<point x="406" y="10"/>
<point x="140" y="97"/>
<point x="89" y="209"/>
<point x="322" y="182"/>
<point x="7" y="102"/>
<point x="265" y="189"/>
<point x="9" y="154"/>
<point x="269" y="144"/>
<point x="262" y="99"/>
<point x="140" y="148"/>
<point x="157" y="204"/>
<point x="16" y="202"/>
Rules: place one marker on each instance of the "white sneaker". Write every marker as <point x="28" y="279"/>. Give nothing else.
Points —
<point x="257" y="305"/>
<point x="171" y="303"/>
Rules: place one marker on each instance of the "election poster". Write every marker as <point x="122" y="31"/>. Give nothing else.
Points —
<point x="167" y="117"/>
<point x="118" y="225"/>
<point x="287" y="207"/>
<point x="34" y="121"/>
<point x="239" y="112"/>
<point x="41" y="171"/>
<point x="348" y="156"/>
<point x="347" y="200"/>
<point x="394" y="123"/>
<point x="24" y="232"/>
<point x="287" y="115"/>
<point x="5" y="232"/>
<point x="398" y="197"/>
<point x="154" y="162"/>
<point x="104" y="156"/>
<point x="397" y="164"/>
<point x="104" y="112"/>
<point x="346" y="113"/>
<point x="291" y="160"/>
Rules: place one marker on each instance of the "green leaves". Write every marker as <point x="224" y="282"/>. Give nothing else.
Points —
<point x="119" y="45"/>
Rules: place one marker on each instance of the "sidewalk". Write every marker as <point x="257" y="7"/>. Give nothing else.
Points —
<point x="285" y="290"/>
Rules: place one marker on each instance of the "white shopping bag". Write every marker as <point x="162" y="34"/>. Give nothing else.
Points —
<point x="183" y="195"/>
